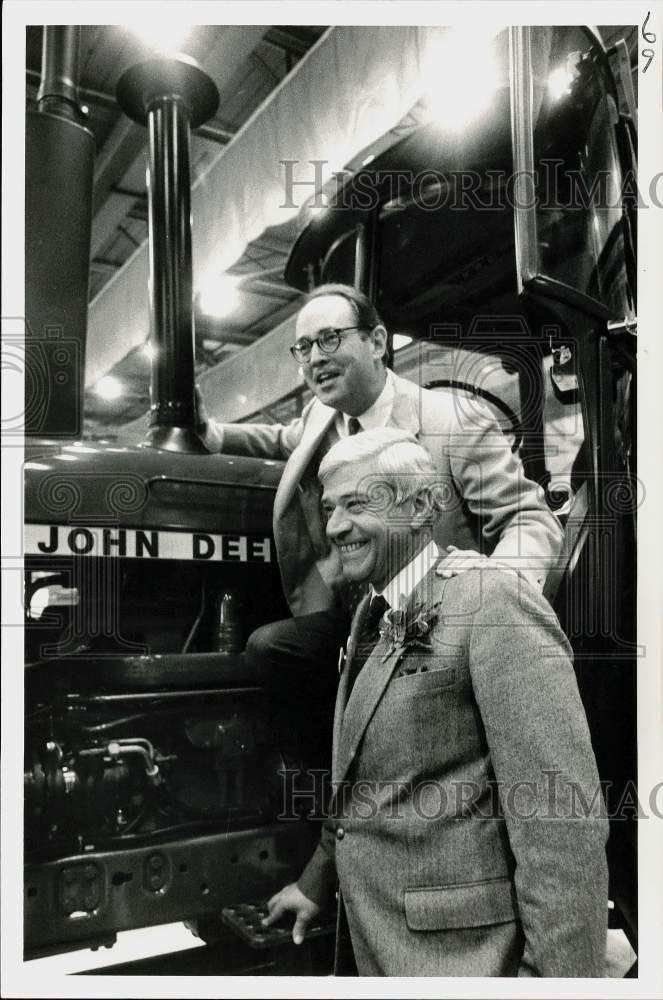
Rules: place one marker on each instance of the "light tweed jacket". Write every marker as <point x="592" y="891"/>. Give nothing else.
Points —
<point x="481" y="484"/>
<point x="467" y="828"/>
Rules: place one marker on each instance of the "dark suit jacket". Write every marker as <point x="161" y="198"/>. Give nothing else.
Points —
<point x="468" y="837"/>
<point x="482" y="486"/>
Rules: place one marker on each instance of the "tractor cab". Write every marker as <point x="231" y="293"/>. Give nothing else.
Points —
<point x="501" y="257"/>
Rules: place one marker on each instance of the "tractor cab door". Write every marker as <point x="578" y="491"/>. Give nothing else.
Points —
<point x="575" y="255"/>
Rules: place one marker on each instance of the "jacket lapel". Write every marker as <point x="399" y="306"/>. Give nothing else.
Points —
<point x="342" y="692"/>
<point x="405" y="409"/>
<point x="350" y="723"/>
<point x="317" y="425"/>
<point x="364" y="697"/>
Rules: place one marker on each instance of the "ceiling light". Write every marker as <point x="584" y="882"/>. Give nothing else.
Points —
<point x="109" y="387"/>
<point x="400" y="340"/>
<point x="559" y="82"/>
<point x="161" y="36"/>
<point x="456" y="88"/>
<point x="219" y="295"/>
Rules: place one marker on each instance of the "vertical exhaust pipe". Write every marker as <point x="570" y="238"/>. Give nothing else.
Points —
<point x="58" y="87"/>
<point x="170" y="96"/>
<point x="59" y="162"/>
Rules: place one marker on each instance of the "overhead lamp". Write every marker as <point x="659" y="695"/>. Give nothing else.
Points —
<point x="109" y="387"/>
<point x="460" y="77"/>
<point x="559" y="82"/>
<point x="219" y="295"/>
<point x="400" y="340"/>
<point x="162" y="36"/>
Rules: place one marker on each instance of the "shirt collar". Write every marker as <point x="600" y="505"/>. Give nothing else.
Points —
<point x="377" y="415"/>
<point x="410" y="576"/>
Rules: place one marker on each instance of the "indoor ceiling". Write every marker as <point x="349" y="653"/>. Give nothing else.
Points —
<point x="247" y="63"/>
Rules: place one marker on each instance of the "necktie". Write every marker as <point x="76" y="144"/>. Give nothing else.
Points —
<point x="355" y="590"/>
<point x="368" y="637"/>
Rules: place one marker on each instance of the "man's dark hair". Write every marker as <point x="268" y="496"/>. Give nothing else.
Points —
<point x="365" y="312"/>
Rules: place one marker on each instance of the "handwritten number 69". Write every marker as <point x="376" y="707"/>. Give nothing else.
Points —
<point x="650" y="38"/>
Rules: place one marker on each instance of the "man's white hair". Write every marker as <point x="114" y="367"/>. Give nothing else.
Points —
<point x="400" y="466"/>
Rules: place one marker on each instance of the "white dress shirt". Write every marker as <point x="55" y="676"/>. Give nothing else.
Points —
<point x="409" y="577"/>
<point x="377" y="415"/>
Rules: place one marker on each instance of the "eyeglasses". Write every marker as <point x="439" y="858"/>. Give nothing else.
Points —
<point x="328" y="341"/>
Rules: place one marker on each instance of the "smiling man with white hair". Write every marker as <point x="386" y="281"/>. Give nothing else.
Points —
<point x="397" y="470"/>
<point x="457" y="718"/>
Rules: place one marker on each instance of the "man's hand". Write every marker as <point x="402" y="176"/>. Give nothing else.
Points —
<point x="460" y="561"/>
<point x="290" y="898"/>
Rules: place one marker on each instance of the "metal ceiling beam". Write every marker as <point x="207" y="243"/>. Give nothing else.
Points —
<point x="103" y="265"/>
<point x="216" y="329"/>
<point x="270" y="290"/>
<point x="125" y="143"/>
<point x="214" y="133"/>
<point x="283" y="40"/>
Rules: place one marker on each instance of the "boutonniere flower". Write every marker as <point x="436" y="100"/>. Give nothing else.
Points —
<point x="406" y="628"/>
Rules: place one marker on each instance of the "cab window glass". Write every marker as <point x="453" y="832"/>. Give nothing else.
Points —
<point x="579" y="213"/>
<point x="339" y="262"/>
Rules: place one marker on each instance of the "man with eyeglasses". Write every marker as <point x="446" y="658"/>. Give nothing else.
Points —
<point x="341" y="344"/>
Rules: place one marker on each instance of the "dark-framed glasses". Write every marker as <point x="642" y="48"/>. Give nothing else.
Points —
<point x="327" y="340"/>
